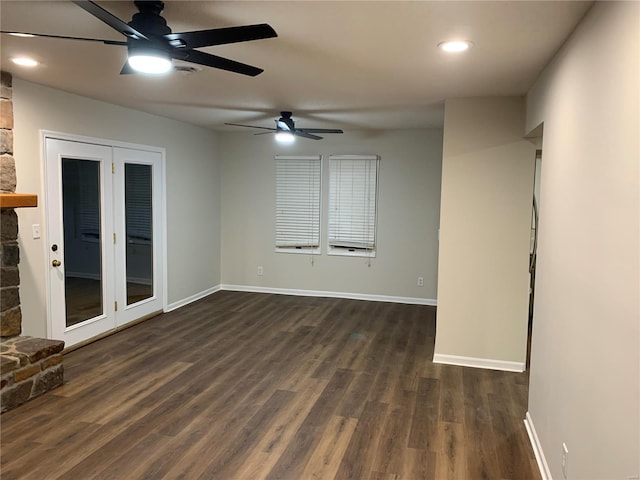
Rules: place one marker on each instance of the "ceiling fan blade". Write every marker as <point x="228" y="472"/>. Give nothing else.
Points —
<point x="110" y="19"/>
<point x="303" y="134"/>
<point x="320" y="130"/>
<point x="251" y="126"/>
<point x="220" y="36"/>
<point x="208" y="60"/>
<point x="107" y="42"/>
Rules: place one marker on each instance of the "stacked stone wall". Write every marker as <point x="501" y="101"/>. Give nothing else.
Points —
<point x="10" y="313"/>
<point x="29" y="366"/>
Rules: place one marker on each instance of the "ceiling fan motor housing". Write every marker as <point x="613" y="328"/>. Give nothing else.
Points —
<point x="151" y="6"/>
<point x="285" y="122"/>
<point x="148" y="19"/>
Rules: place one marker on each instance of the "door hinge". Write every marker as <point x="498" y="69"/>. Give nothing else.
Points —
<point x="114" y="238"/>
<point x="113" y="167"/>
<point x="115" y="305"/>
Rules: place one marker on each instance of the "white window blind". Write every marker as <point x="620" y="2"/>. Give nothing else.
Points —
<point x="298" y="203"/>
<point x="138" y="202"/>
<point x="84" y="175"/>
<point x="353" y="187"/>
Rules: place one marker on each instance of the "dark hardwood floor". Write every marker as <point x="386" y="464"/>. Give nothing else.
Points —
<point x="244" y="386"/>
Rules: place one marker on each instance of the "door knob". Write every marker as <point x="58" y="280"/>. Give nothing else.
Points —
<point x="56" y="263"/>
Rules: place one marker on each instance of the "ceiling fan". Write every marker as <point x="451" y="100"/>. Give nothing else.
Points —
<point x="286" y="129"/>
<point x="151" y="44"/>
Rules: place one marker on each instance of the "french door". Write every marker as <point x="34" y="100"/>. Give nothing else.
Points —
<point x="104" y="210"/>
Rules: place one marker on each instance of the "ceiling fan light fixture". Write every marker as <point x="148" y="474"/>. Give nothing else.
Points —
<point x="149" y="60"/>
<point x="285" y="137"/>
<point x="455" y="46"/>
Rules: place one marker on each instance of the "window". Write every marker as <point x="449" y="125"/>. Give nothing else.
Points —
<point x="81" y="193"/>
<point x="298" y="204"/>
<point x="138" y="203"/>
<point x="353" y="185"/>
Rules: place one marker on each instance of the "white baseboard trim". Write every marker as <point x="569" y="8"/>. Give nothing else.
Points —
<point x="317" y="293"/>
<point x="479" y="362"/>
<point x="545" y="473"/>
<point x="192" y="298"/>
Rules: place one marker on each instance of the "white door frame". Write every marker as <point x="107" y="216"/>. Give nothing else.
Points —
<point x="159" y="217"/>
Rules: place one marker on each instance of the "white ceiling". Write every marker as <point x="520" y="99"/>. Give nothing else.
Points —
<point x="354" y="65"/>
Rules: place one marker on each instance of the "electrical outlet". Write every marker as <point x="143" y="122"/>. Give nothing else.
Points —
<point x="421" y="281"/>
<point x="35" y="230"/>
<point x="565" y="459"/>
<point x="260" y="271"/>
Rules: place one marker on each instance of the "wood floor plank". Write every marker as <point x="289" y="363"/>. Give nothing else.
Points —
<point x="451" y="394"/>
<point x="352" y="404"/>
<point x="359" y="456"/>
<point x="16" y="461"/>
<point x="209" y="434"/>
<point x="328" y="454"/>
<point x="391" y="456"/>
<point x="138" y="401"/>
<point x="423" y="432"/>
<point x="480" y="441"/>
<point x="451" y="460"/>
<point x="294" y="459"/>
<point x="281" y="433"/>
<point x="168" y="454"/>
<point x="512" y="451"/>
<point x="231" y="455"/>
<point x="245" y="385"/>
<point x="422" y="464"/>
<point x="135" y="455"/>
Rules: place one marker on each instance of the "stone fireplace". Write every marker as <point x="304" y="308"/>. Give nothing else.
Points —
<point x="29" y="366"/>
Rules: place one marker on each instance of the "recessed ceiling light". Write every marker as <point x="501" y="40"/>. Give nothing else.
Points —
<point x="186" y="69"/>
<point x="25" y="61"/>
<point x="455" y="46"/>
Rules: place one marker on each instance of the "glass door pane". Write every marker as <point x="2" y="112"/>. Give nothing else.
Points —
<point x="139" y="231"/>
<point x="81" y="211"/>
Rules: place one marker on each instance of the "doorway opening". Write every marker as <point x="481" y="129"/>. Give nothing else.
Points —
<point x="533" y="249"/>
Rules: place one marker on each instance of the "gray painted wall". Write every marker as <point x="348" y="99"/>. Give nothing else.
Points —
<point x="408" y="215"/>
<point x="192" y="188"/>
<point x="585" y="360"/>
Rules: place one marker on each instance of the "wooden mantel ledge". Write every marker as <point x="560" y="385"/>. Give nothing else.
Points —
<point x="17" y="200"/>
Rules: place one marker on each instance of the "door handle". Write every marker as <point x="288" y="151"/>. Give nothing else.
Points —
<point x="56" y="263"/>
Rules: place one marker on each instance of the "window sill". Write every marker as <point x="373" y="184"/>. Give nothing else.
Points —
<point x="348" y="252"/>
<point x="294" y="250"/>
